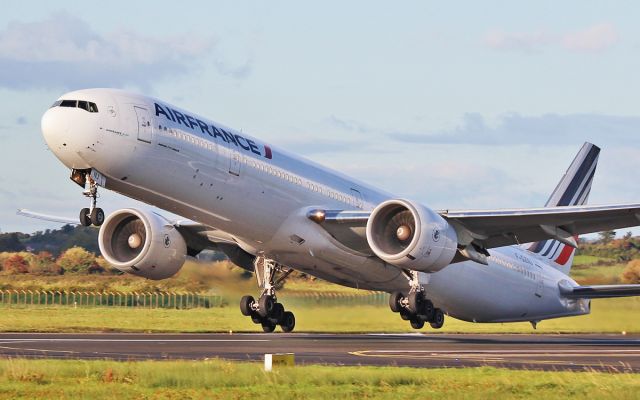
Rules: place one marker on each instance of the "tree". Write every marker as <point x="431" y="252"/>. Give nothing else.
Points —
<point x="16" y="264"/>
<point x="11" y="242"/>
<point x="44" y="263"/>
<point x="631" y="273"/>
<point x="607" y="236"/>
<point x="77" y="260"/>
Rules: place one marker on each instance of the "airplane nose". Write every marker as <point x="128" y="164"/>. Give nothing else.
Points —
<point x="55" y="130"/>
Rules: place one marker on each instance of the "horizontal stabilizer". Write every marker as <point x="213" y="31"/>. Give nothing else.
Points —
<point x="600" y="291"/>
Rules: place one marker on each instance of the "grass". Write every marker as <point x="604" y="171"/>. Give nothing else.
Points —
<point x="608" y="315"/>
<point x="598" y="274"/>
<point x="216" y="379"/>
<point x="586" y="259"/>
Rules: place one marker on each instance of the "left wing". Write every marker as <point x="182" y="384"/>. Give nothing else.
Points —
<point x="496" y="228"/>
<point x="45" y="217"/>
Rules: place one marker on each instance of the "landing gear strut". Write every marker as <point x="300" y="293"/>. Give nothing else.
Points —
<point x="93" y="215"/>
<point x="266" y="311"/>
<point x="415" y="307"/>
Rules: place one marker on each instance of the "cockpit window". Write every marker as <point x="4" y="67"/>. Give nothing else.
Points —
<point x="69" y="103"/>
<point x="85" y="105"/>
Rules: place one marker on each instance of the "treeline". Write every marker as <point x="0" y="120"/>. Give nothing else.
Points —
<point x="75" y="260"/>
<point x="54" y="241"/>
<point x="625" y="249"/>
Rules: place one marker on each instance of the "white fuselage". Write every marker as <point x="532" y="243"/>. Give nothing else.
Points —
<point x="259" y="196"/>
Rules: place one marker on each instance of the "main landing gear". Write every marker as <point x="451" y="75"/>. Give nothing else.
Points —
<point x="415" y="307"/>
<point x="266" y="311"/>
<point x="93" y="215"/>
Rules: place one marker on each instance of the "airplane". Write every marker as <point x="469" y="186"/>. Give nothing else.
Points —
<point x="272" y="212"/>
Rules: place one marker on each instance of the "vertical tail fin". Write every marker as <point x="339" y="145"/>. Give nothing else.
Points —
<point x="572" y="190"/>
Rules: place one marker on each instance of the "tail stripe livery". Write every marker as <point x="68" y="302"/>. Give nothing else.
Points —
<point x="572" y="190"/>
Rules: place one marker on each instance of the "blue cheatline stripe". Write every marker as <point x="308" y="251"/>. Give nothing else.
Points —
<point x="548" y="249"/>
<point x="587" y="186"/>
<point x="579" y="177"/>
<point x="556" y="252"/>
<point x="537" y="246"/>
<point x="550" y="252"/>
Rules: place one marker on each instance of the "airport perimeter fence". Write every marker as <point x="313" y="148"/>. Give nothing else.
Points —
<point x="14" y="298"/>
<point x="175" y="300"/>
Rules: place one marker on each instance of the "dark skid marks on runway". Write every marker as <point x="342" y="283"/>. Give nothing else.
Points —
<point x="615" y="353"/>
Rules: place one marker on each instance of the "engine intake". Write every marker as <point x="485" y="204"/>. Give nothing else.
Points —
<point x="142" y="243"/>
<point x="412" y="236"/>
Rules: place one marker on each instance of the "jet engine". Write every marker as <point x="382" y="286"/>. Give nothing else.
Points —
<point x="142" y="243"/>
<point x="411" y="236"/>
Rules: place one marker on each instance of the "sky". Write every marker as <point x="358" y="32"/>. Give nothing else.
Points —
<point x="453" y="104"/>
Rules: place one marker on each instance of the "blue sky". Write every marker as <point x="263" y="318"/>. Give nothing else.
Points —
<point x="454" y="104"/>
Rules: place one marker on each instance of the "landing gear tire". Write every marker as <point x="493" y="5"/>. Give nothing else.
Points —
<point x="417" y="323"/>
<point x="405" y="314"/>
<point x="438" y="319"/>
<point x="394" y="301"/>
<point x="255" y="318"/>
<point x="265" y="306"/>
<point x="85" y="217"/>
<point x="288" y="322"/>
<point x="97" y="216"/>
<point x="277" y="314"/>
<point x="415" y="301"/>
<point x="245" y="305"/>
<point x="268" y="326"/>
<point x="427" y="310"/>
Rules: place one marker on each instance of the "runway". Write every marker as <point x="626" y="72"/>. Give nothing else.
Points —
<point x="615" y="353"/>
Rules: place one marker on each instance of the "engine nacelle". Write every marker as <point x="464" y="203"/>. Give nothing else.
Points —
<point x="412" y="236"/>
<point x="142" y="243"/>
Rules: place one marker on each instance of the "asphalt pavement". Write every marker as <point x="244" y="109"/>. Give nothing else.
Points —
<point x="615" y="353"/>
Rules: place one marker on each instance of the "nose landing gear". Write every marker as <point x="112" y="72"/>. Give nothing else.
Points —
<point x="266" y="311"/>
<point x="93" y="215"/>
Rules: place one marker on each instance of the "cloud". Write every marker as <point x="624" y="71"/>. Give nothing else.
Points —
<point x="65" y="51"/>
<point x="521" y="41"/>
<point x="514" y="128"/>
<point x="593" y="39"/>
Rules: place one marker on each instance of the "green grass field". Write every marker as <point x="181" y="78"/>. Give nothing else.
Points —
<point x="612" y="315"/>
<point x="215" y="379"/>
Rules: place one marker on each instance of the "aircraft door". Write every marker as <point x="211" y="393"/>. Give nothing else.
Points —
<point x="234" y="160"/>
<point x="144" y="124"/>
<point x="539" y="281"/>
<point x="359" y="200"/>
